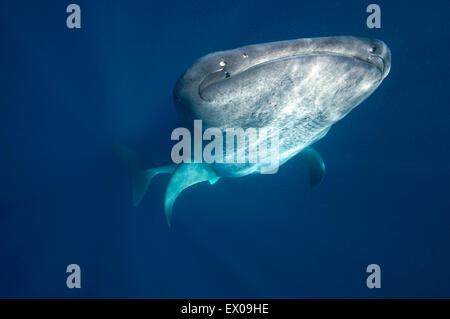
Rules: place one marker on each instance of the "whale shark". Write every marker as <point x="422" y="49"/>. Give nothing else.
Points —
<point x="299" y="88"/>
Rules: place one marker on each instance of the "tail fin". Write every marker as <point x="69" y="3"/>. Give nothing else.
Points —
<point x="142" y="171"/>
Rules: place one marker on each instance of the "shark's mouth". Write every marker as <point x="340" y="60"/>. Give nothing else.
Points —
<point x="223" y="74"/>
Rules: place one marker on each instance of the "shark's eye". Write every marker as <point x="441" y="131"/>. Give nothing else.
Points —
<point x="223" y="64"/>
<point x="245" y="55"/>
<point x="373" y="49"/>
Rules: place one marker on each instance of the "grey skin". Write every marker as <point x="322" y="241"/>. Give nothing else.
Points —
<point x="298" y="87"/>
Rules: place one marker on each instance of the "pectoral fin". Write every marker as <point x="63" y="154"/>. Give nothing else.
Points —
<point x="186" y="174"/>
<point x="142" y="171"/>
<point x="314" y="162"/>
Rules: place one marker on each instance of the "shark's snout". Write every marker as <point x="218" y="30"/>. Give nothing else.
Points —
<point x="228" y="64"/>
<point x="302" y="75"/>
<point x="380" y="55"/>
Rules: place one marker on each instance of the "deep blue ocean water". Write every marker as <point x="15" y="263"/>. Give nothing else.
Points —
<point x="65" y="196"/>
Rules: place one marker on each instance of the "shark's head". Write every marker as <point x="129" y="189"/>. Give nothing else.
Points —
<point x="326" y="75"/>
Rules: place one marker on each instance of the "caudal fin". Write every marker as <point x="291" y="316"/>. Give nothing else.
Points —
<point x="142" y="171"/>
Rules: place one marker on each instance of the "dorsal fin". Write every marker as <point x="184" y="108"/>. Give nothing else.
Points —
<point x="186" y="174"/>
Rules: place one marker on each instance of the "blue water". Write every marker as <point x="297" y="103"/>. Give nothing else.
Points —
<point x="65" y="196"/>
